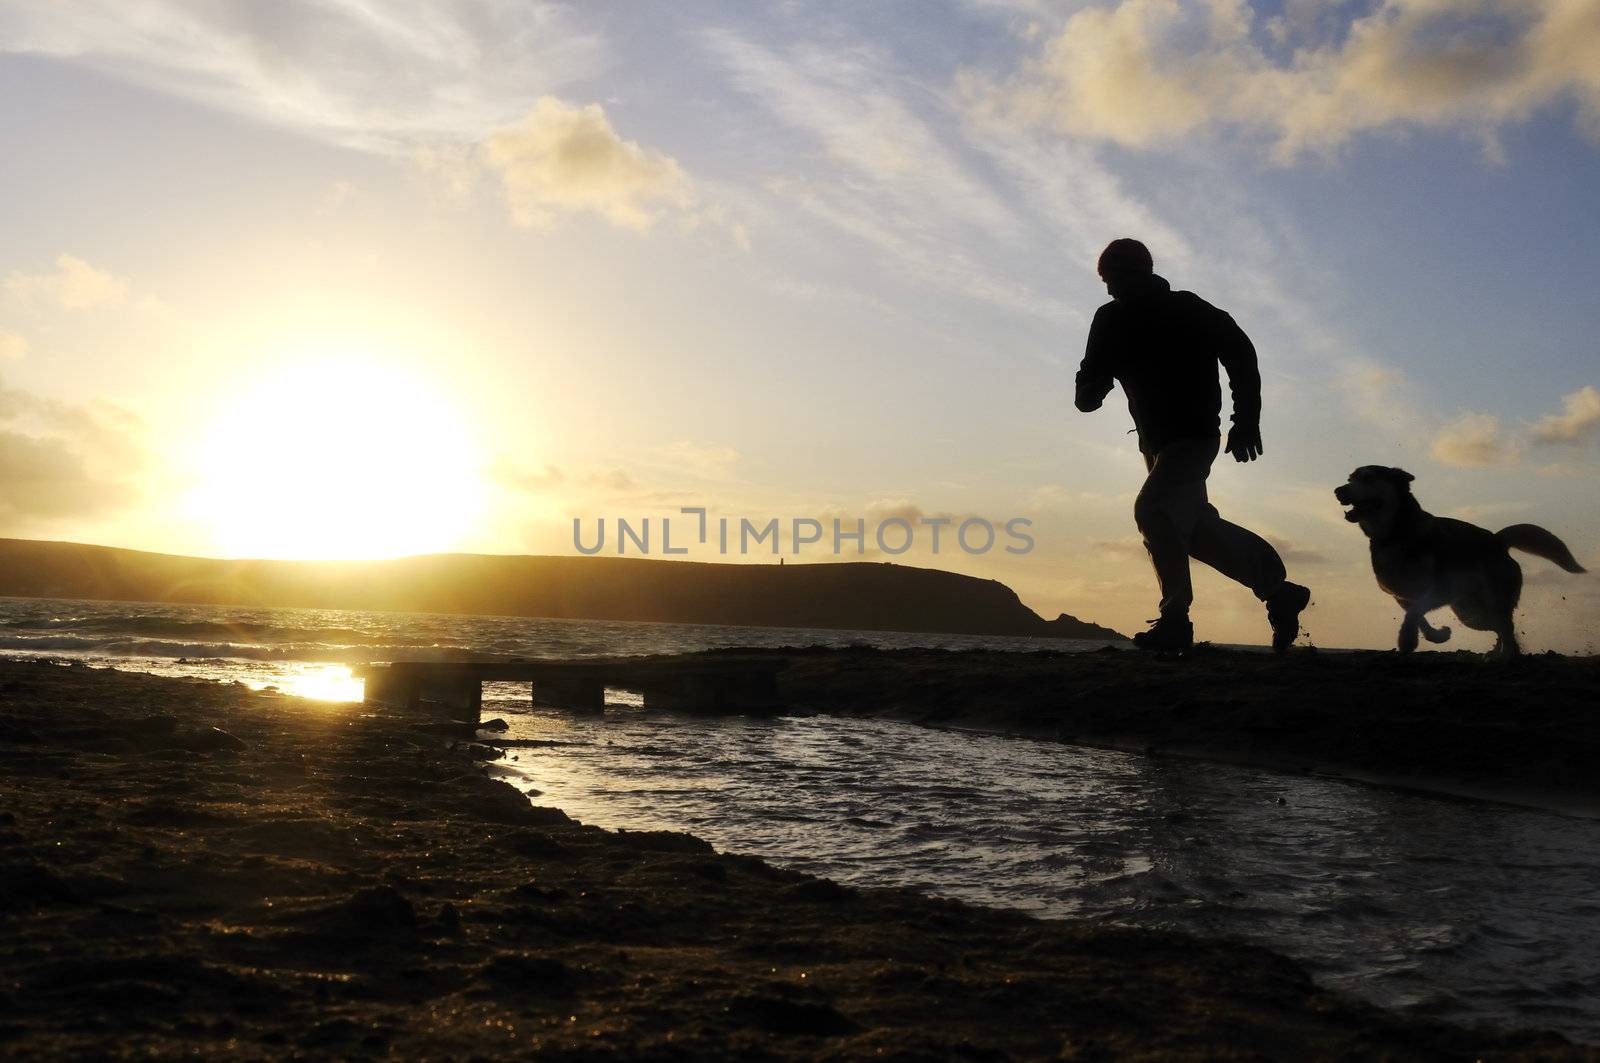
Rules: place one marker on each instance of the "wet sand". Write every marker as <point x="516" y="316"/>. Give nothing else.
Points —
<point x="192" y="869"/>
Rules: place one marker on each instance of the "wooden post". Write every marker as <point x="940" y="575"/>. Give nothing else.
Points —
<point x="387" y="685"/>
<point x="461" y="694"/>
<point x="715" y="686"/>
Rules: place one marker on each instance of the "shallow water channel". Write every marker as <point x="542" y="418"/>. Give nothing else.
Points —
<point x="1475" y="912"/>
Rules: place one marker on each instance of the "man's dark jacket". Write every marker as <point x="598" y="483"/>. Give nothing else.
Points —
<point x="1163" y="347"/>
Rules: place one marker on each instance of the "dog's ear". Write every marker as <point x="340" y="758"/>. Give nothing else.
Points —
<point x="1401" y="475"/>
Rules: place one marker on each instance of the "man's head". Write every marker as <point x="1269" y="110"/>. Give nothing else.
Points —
<point x="1125" y="265"/>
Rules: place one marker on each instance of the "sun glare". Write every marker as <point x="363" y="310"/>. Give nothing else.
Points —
<point x="334" y="460"/>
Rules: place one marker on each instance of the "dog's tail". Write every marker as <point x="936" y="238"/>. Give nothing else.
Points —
<point x="1533" y="539"/>
<point x="1431" y="633"/>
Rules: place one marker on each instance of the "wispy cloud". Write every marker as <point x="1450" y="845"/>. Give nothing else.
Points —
<point x="1073" y="197"/>
<point x="895" y="170"/>
<point x="1143" y="72"/>
<point x="860" y="105"/>
<point x="72" y="285"/>
<point x="510" y="475"/>
<point x="1125" y="548"/>
<point x="1379" y="395"/>
<point x="374" y="76"/>
<point x="706" y="460"/>
<point x="12" y="345"/>
<point x="919" y="256"/>
<point x="1487" y="511"/>
<point x="1295" y="553"/>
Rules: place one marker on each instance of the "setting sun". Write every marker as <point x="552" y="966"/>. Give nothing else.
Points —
<point x="337" y="459"/>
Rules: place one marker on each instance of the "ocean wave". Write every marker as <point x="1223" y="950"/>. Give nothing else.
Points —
<point x="136" y="625"/>
<point x="317" y="652"/>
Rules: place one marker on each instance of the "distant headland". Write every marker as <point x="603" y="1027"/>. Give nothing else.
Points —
<point x="861" y="596"/>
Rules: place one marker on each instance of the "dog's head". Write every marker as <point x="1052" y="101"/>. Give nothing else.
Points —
<point x="1375" y="494"/>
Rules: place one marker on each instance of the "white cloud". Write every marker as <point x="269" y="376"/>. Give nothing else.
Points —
<point x="1576" y="423"/>
<point x="509" y="474"/>
<point x="1473" y="439"/>
<point x="339" y="194"/>
<point x="699" y="459"/>
<point x="1139" y="72"/>
<point x="1375" y="383"/>
<point x="1378" y="395"/>
<point x="613" y="480"/>
<point x="444" y="84"/>
<point x="566" y="158"/>
<point x="12" y="345"/>
<point x="375" y="76"/>
<point x="60" y="460"/>
<point x="75" y="285"/>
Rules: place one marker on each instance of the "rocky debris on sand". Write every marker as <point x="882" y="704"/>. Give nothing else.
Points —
<point x="779" y="1015"/>
<point x="663" y="841"/>
<point x="522" y="970"/>
<point x="27" y="886"/>
<point x="379" y="909"/>
<point x="212" y="740"/>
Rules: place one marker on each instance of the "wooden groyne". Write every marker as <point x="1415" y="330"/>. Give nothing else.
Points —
<point x="717" y="685"/>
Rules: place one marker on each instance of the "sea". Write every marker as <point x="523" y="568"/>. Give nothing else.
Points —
<point x="1470" y="911"/>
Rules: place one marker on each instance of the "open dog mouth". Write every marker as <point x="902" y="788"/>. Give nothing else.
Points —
<point x="1358" y="507"/>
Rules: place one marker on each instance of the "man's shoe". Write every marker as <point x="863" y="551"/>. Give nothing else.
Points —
<point x="1169" y="633"/>
<point x="1283" y="613"/>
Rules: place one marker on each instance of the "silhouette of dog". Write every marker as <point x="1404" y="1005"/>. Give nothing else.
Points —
<point x="1428" y="562"/>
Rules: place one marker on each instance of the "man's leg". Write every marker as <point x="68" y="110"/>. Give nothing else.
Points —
<point x="1167" y="510"/>
<point x="1238" y="553"/>
<point x="1247" y="558"/>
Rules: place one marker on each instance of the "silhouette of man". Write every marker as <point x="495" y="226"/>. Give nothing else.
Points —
<point x="1163" y="347"/>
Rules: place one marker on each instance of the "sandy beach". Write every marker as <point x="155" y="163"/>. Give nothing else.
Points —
<point x="188" y="868"/>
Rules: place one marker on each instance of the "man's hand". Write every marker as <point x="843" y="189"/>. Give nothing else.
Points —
<point x="1244" y="442"/>
<point x="1092" y="390"/>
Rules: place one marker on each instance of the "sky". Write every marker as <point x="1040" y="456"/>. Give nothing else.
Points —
<point x="354" y="278"/>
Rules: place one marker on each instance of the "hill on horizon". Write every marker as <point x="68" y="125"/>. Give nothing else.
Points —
<point x="855" y="595"/>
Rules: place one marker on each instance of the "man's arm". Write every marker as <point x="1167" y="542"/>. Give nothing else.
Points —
<point x="1094" y="372"/>
<point x="1238" y="356"/>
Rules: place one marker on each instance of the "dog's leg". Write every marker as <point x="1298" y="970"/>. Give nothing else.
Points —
<point x="1505" y="643"/>
<point x="1408" y="631"/>
<point x="1431" y="633"/>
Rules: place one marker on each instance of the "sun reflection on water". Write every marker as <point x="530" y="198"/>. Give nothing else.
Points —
<point x="318" y="682"/>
